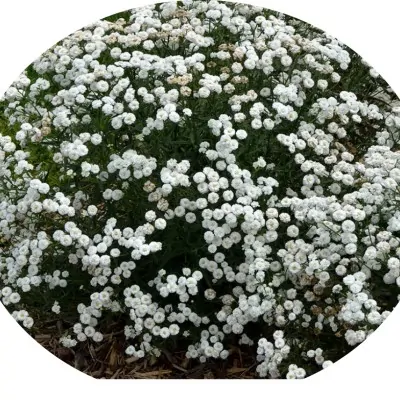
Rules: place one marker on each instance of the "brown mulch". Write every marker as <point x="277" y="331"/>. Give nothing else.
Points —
<point x="109" y="361"/>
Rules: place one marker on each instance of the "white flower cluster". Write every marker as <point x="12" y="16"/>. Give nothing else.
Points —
<point x="272" y="354"/>
<point x="205" y="173"/>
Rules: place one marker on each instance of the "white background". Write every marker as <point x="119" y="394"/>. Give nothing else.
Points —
<point x="27" y="28"/>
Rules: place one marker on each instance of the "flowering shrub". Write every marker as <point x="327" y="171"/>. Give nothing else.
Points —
<point x="207" y="174"/>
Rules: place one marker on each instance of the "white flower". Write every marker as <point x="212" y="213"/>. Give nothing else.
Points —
<point x="160" y="224"/>
<point x="56" y="308"/>
<point x="174" y="329"/>
<point x="92" y="210"/>
<point x="292" y="231"/>
<point x="36" y="207"/>
<point x="97" y="337"/>
<point x="165" y="333"/>
<point x="150" y="216"/>
<point x="204" y="92"/>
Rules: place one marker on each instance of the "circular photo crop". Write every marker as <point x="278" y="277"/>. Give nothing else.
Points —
<point x="200" y="189"/>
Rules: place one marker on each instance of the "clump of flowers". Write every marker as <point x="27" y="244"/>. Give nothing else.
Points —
<point x="207" y="174"/>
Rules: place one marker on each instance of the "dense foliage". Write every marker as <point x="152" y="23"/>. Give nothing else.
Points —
<point x="205" y="173"/>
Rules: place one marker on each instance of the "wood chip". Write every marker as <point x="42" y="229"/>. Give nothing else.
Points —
<point x="153" y="360"/>
<point x="169" y="356"/>
<point x="42" y="337"/>
<point x="152" y="373"/>
<point x="235" y="370"/>
<point x="113" y="358"/>
<point x="97" y="374"/>
<point x="179" y="368"/>
<point x="64" y="353"/>
<point x="196" y="372"/>
<point x="116" y="374"/>
<point x="80" y="361"/>
<point x="59" y="325"/>
<point x="131" y="360"/>
<point x="185" y="363"/>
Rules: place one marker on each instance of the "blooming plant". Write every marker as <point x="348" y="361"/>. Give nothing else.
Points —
<point x="207" y="174"/>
